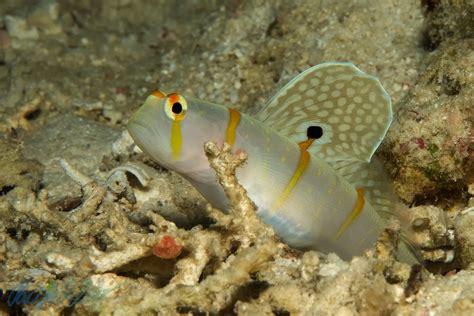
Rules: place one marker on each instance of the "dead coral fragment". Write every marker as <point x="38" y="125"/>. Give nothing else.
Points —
<point x="15" y="170"/>
<point x="211" y="275"/>
<point x="246" y="220"/>
<point x="387" y="246"/>
<point x="27" y="112"/>
<point x="428" y="231"/>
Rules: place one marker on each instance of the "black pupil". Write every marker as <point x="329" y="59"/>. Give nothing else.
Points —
<point x="314" y="132"/>
<point x="177" y="108"/>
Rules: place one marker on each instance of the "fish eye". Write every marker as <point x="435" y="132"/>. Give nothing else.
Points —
<point x="175" y="106"/>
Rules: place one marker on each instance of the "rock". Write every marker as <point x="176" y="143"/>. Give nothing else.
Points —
<point x="452" y="295"/>
<point x="465" y="238"/>
<point x="428" y="230"/>
<point x="81" y="142"/>
<point x="15" y="170"/>
<point x="18" y="28"/>
<point x="428" y="144"/>
<point x="45" y="17"/>
<point x="447" y="20"/>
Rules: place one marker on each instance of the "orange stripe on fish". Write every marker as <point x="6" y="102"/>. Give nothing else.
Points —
<point x="234" y="120"/>
<point x="158" y="94"/>
<point x="305" y="145"/>
<point x="300" y="168"/>
<point x="356" y="211"/>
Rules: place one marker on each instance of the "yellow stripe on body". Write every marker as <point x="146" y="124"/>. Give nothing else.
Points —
<point x="176" y="139"/>
<point x="359" y="205"/>
<point x="234" y="120"/>
<point x="300" y="168"/>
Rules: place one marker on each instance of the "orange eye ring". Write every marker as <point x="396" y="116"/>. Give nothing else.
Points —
<point x="176" y="107"/>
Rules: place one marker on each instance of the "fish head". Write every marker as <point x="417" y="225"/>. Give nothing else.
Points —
<point x="172" y="129"/>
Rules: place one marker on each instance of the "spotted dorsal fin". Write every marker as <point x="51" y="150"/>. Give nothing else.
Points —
<point x="351" y="107"/>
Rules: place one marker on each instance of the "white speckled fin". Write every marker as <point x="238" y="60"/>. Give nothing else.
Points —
<point x="351" y="107"/>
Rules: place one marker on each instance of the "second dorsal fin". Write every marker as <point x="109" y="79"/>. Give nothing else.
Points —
<point x="352" y="108"/>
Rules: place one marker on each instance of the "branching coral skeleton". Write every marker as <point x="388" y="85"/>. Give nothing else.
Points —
<point x="101" y="214"/>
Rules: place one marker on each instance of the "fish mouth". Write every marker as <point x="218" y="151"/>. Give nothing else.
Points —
<point x="140" y="127"/>
<point x="142" y="118"/>
<point x="135" y="125"/>
<point x="135" y="122"/>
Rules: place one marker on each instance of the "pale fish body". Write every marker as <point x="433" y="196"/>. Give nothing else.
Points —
<point x="308" y="152"/>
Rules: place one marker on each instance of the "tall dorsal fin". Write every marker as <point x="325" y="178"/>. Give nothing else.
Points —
<point x="351" y="107"/>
